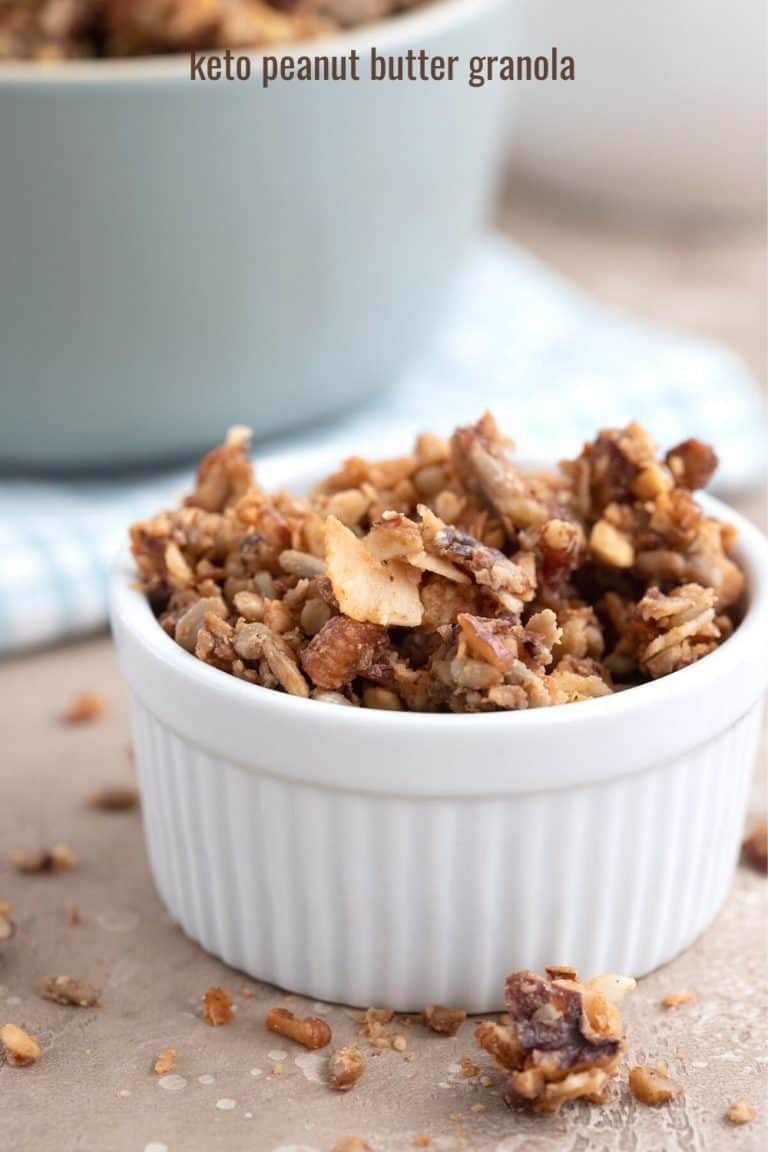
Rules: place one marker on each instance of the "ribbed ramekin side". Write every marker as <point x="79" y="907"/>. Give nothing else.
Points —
<point x="363" y="899"/>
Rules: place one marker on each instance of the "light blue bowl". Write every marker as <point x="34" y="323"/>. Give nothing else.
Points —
<point x="177" y="255"/>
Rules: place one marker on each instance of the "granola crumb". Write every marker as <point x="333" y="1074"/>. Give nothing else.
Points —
<point x="114" y="798"/>
<point x="74" y="916"/>
<point x="66" y="990"/>
<point x="468" y="1067"/>
<point x="409" y="1057"/>
<point x="486" y="1081"/>
<point x="446" y="1021"/>
<point x="60" y="858"/>
<point x="85" y="708"/>
<point x="653" y="1086"/>
<point x="346" y="1066"/>
<point x="399" y="1043"/>
<point x="422" y="1141"/>
<point x="217" y="1007"/>
<point x="312" y="1032"/>
<point x="277" y="1069"/>
<point x="675" y="999"/>
<point x="477" y="1108"/>
<point x="246" y="992"/>
<point x="742" y="1112"/>
<point x="754" y="850"/>
<point x="21" y="1049"/>
<point x="165" y="1062"/>
<point x="564" y="1039"/>
<point x="351" y="1144"/>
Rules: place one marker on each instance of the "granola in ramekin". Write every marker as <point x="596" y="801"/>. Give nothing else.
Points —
<point x="65" y="29"/>
<point x="448" y="579"/>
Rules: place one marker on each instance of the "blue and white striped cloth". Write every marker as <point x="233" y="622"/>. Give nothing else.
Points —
<point x="551" y="363"/>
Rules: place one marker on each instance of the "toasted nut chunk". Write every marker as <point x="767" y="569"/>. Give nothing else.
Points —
<point x="346" y="1067"/>
<point x="675" y="999"/>
<point x="447" y="1021"/>
<point x="60" y="858"/>
<point x="66" y="990"/>
<point x="754" y="850"/>
<point x="312" y="1032"/>
<point x="20" y="1048"/>
<point x="217" y="1007"/>
<point x="165" y="1062"/>
<point x="653" y="1085"/>
<point x="381" y="698"/>
<point x="114" y="798"/>
<point x="610" y="546"/>
<point x="742" y="1112"/>
<point x="343" y="650"/>
<point x="84" y="708"/>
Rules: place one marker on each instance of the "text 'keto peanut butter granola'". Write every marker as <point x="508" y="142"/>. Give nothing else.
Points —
<point x="448" y="580"/>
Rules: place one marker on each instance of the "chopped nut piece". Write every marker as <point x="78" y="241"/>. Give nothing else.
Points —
<point x="754" y="850"/>
<point x="675" y="999"/>
<point x="447" y="1021"/>
<point x="60" y="858"/>
<point x="312" y="1032"/>
<point x="20" y="1048"/>
<point x="66" y="990"/>
<point x="561" y="972"/>
<point x="217" y="1007"/>
<point x="469" y="1068"/>
<point x="84" y="708"/>
<point x="399" y="1043"/>
<point x="347" y="1065"/>
<point x="165" y="1062"/>
<point x="563" y="1040"/>
<point x="114" y="798"/>
<point x="610" y="546"/>
<point x="653" y="1085"/>
<point x="742" y="1112"/>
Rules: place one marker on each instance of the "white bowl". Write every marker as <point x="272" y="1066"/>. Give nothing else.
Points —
<point x="177" y="255"/>
<point x="370" y="857"/>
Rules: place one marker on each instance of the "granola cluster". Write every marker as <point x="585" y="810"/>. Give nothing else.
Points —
<point x="65" y="29"/>
<point x="563" y="1040"/>
<point x="450" y="579"/>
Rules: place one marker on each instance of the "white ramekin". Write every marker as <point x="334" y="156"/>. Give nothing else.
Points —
<point x="371" y="857"/>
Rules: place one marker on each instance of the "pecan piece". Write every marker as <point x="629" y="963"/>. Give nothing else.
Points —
<point x="692" y="463"/>
<point x="218" y="1007"/>
<point x="312" y="1032"/>
<point x="653" y="1085"/>
<point x="20" y="1048"/>
<point x="347" y="1065"/>
<point x="446" y="1021"/>
<point x="60" y="858"/>
<point x="85" y="708"/>
<point x="344" y="649"/>
<point x="67" y="990"/>
<point x="165" y="1062"/>
<point x="754" y="850"/>
<point x="742" y="1112"/>
<point x="114" y="798"/>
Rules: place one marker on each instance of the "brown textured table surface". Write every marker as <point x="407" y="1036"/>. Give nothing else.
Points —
<point x="93" y="1090"/>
